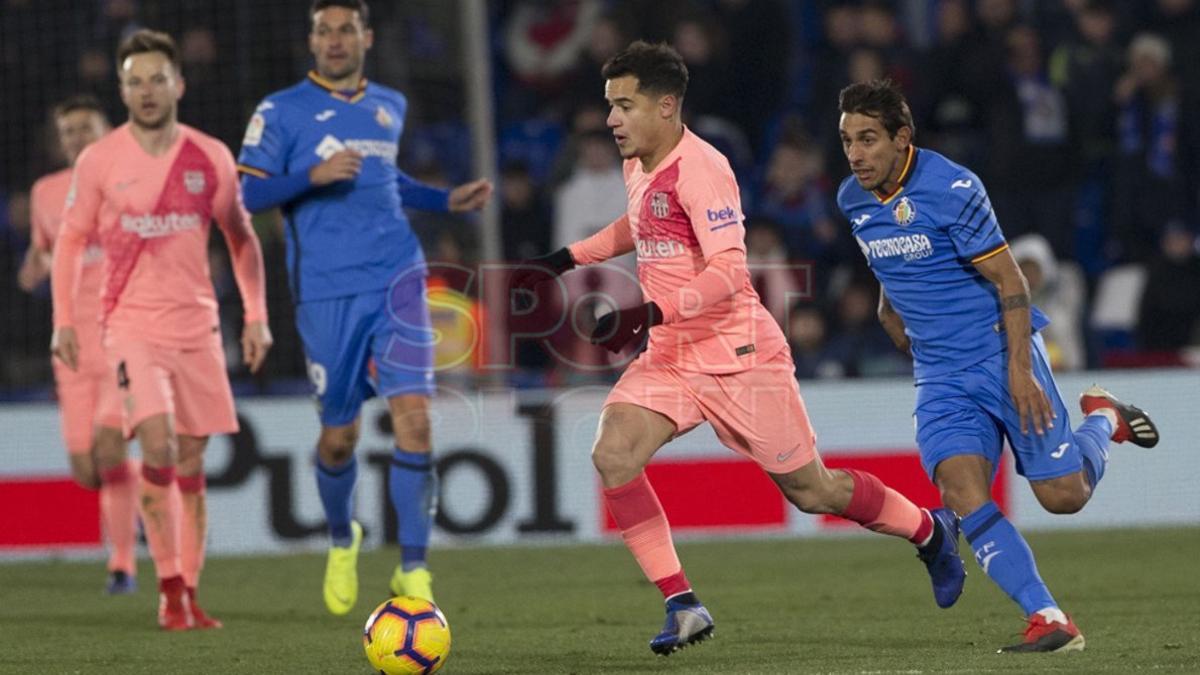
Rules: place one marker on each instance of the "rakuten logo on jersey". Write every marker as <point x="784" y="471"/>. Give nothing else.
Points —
<point x="661" y="248"/>
<point x="149" y="226"/>
<point x="911" y="246"/>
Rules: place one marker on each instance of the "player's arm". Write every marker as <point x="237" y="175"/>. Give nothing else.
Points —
<point x="892" y="323"/>
<point x="470" y="196"/>
<point x="79" y="221"/>
<point x="35" y="267"/>
<point x="246" y="254"/>
<point x="615" y="239"/>
<point x="266" y="183"/>
<point x="1001" y="269"/>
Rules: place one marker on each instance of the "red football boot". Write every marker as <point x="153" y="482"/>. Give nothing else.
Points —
<point x="1043" y="635"/>
<point x="1133" y="423"/>
<point x="200" y="619"/>
<point x="174" y="609"/>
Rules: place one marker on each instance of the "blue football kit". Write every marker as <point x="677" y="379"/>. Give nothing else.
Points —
<point x="922" y="242"/>
<point x="355" y="266"/>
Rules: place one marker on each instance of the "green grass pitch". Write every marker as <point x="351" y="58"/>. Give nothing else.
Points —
<point x="852" y="605"/>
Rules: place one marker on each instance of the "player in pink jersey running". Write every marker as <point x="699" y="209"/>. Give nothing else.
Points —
<point x="714" y="353"/>
<point x="87" y="398"/>
<point x="149" y="192"/>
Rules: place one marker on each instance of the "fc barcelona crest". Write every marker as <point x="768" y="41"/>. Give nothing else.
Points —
<point x="193" y="181"/>
<point x="382" y="116"/>
<point x="904" y="212"/>
<point x="659" y="205"/>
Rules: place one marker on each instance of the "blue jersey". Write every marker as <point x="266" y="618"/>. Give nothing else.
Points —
<point x="922" y="243"/>
<point x="349" y="237"/>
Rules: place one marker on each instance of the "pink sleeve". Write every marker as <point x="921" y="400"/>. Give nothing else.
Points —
<point x="709" y="195"/>
<point x="724" y="274"/>
<point x="614" y="240"/>
<point x="79" y="221"/>
<point x="244" y="247"/>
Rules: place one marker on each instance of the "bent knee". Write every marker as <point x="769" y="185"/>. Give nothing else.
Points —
<point x="1063" y="502"/>
<point x="336" y="446"/>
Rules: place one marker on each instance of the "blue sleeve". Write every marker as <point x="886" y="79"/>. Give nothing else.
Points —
<point x="420" y="196"/>
<point x="969" y="219"/>
<point x="261" y="194"/>
<point x="264" y="147"/>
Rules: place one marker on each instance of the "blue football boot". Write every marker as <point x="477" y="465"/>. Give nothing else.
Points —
<point x="687" y="623"/>
<point x="940" y="556"/>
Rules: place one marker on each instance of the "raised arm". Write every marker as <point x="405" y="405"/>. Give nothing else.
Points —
<point x="616" y="239"/>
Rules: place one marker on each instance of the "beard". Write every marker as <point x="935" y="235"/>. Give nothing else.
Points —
<point x="153" y="122"/>
<point x="349" y="67"/>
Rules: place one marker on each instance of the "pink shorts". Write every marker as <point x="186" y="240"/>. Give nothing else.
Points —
<point x="189" y="384"/>
<point x="88" y="397"/>
<point x="757" y="412"/>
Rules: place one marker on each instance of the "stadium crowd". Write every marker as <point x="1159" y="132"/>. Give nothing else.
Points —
<point x="1082" y="117"/>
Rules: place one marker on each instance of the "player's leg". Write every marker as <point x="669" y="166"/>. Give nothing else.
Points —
<point x="203" y="407"/>
<point x="120" y="479"/>
<point x="412" y="488"/>
<point x="160" y="511"/>
<point x="336" y="341"/>
<point x="628" y="437"/>
<point x="402" y="344"/>
<point x="193" y="525"/>
<point x="1002" y="553"/>
<point x="120" y="487"/>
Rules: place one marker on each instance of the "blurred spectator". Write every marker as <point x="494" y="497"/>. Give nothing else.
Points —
<point x="861" y="344"/>
<point x="1032" y="168"/>
<point x="779" y="282"/>
<point x="585" y="85"/>
<point x="544" y="41"/>
<point x="949" y="117"/>
<point x="1058" y="289"/>
<point x="524" y="217"/>
<point x="1179" y="22"/>
<point x="807" y="338"/>
<point x="1170" y="305"/>
<point x="1149" y="187"/>
<point x="797" y="194"/>
<point x="881" y="32"/>
<point x="1084" y="68"/>
<point x="757" y="34"/>
<point x="697" y="40"/>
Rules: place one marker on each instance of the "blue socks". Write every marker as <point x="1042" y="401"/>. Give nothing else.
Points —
<point x="336" y="486"/>
<point x="413" y="490"/>
<point x="1005" y="557"/>
<point x="1092" y="439"/>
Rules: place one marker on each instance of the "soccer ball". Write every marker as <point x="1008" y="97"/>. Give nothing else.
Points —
<point x="406" y="635"/>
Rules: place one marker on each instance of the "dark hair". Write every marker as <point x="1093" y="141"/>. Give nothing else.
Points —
<point x="359" y="6"/>
<point x="144" y="41"/>
<point x="880" y="99"/>
<point x="658" y="68"/>
<point x="78" y="102"/>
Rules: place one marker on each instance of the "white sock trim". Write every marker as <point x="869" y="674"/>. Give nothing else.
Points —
<point x="1053" y="614"/>
<point x="1108" y="414"/>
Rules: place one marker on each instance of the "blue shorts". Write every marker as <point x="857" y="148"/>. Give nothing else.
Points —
<point x="367" y="344"/>
<point x="970" y="412"/>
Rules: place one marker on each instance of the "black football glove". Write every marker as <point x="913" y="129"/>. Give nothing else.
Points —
<point x="616" y="329"/>
<point x="536" y="271"/>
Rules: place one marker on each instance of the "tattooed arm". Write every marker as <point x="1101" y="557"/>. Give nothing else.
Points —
<point x="1028" y="397"/>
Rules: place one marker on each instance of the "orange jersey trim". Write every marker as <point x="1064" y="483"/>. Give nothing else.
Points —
<point x="259" y="173"/>
<point x="325" y="84"/>
<point x="999" y="249"/>
<point x="905" y="173"/>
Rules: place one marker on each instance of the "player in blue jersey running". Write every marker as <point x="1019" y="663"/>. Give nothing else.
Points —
<point x="325" y="151"/>
<point x="952" y="295"/>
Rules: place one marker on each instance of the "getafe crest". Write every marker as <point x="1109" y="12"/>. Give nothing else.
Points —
<point x="904" y="212"/>
<point x="193" y="181"/>
<point x="659" y="205"/>
<point x="382" y="116"/>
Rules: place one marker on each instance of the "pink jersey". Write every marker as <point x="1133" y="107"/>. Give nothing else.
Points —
<point x="47" y="198"/>
<point x="682" y="217"/>
<point x="152" y="217"/>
